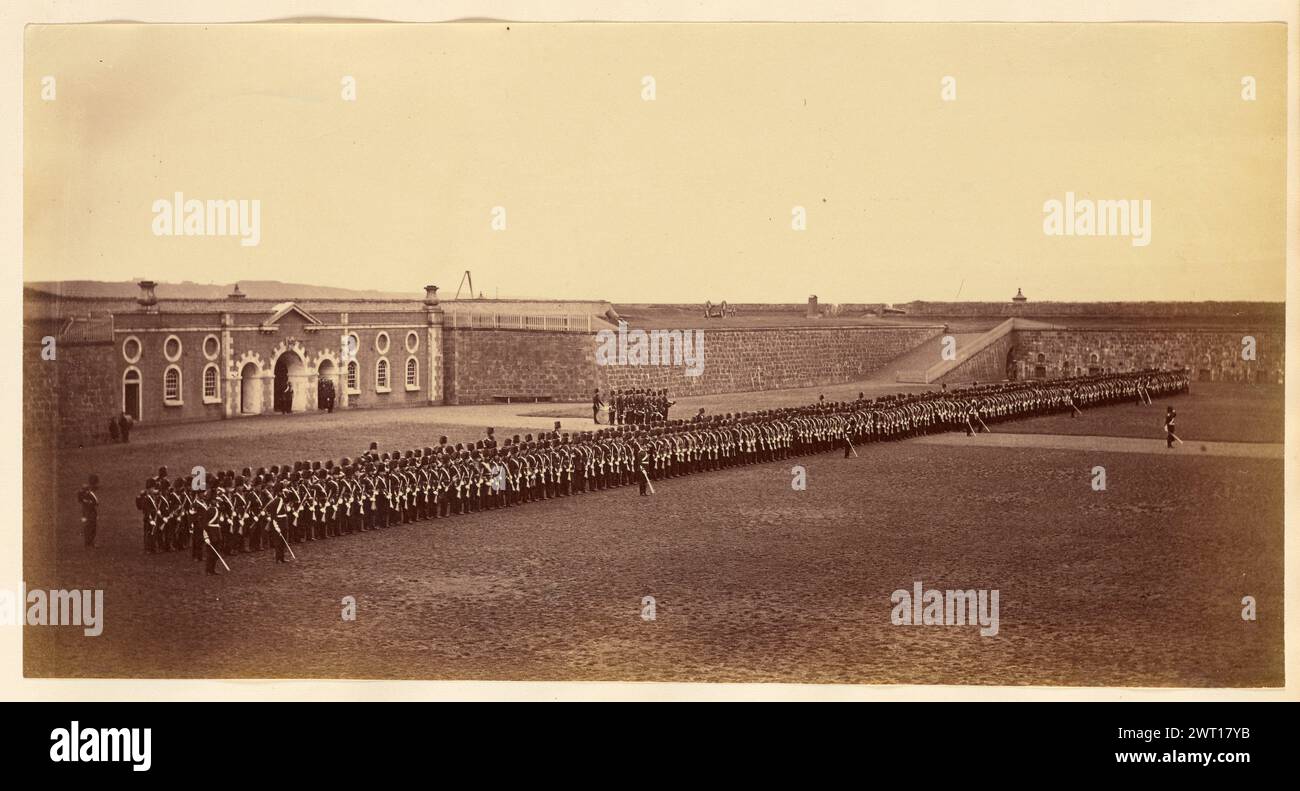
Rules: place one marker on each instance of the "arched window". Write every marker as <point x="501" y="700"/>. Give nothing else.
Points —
<point x="381" y="375"/>
<point x="412" y="374"/>
<point x="353" y="383"/>
<point x="172" y="386"/>
<point x="211" y="384"/>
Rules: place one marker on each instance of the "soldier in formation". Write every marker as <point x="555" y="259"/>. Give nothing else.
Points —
<point x="227" y="513"/>
<point x="639" y="406"/>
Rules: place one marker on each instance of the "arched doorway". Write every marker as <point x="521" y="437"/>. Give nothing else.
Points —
<point x="290" y="383"/>
<point x="327" y="385"/>
<point x="250" y="390"/>
<point x="131" y="393"/>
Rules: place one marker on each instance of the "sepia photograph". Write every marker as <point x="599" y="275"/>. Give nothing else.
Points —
<point x="938" y="354"/>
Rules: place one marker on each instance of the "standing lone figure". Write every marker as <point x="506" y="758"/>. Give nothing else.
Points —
<point x="89" y="510"/>
<point x="1170" y="416"/>
<point x="643" y="467"/>
<point x="596" y="405"/>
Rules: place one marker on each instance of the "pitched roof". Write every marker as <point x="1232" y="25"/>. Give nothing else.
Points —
<point x="283" y="309"/>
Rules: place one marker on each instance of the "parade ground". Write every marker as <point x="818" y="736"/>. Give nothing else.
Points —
<point x="1141" y="583"/>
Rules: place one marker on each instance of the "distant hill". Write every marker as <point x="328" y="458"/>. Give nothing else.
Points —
<point x="254" y="289"/>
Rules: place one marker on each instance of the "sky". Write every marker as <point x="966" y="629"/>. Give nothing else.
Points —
<point x="686" y="197"/>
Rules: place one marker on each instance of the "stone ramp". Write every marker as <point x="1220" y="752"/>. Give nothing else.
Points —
<point x="919" y="359"/>
<point x="969" y="349"/>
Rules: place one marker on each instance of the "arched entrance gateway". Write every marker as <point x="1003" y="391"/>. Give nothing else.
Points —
<point x="290" y="383"/>
<point x="131" y="393"/>
<point x="250" y="390"/>
<point x="327" y="385"/>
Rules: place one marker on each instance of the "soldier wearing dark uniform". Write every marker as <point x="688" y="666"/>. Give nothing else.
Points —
<point x="643" y="467"/>
<point x="89" y="510"/>
<point x="1170" y="418"/>
<point x="665" y="404"/>
<point x="277" y="521"/>
<point x="147" y="502"/>
<point x="596" y="404"/>
<point x="209" y="531"/>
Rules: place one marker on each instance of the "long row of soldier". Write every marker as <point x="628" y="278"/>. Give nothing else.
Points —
<point x="303" y="502"/>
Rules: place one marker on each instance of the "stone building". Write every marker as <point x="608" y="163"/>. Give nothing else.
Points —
<point x="171" y="361"/>
<point x="167" y="361"/>
<point x="201" y="360"/>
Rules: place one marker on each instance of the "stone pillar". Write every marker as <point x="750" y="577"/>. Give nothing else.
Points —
<point x="268" y="392"/>
<point x="433" y="355"/>
<point x="341" y="391"/>
<point x="229" y="377"/>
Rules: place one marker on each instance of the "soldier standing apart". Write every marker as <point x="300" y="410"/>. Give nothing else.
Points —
<point x="1170" y="416"/>
<point x="596" y="404"/>
<point x="89" y="510"/>
<point x="277" y="515"/>
<point x="209" y="532"/>
<point x="643" y="468"/>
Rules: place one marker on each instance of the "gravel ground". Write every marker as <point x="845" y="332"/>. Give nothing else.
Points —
<point x="1211" y="411"/>
<point x="1138" y="585"/>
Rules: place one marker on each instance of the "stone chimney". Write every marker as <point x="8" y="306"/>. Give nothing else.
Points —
<point x="813" y="311"/>
<point x="148" y="300"/>
<point x="431" y="296"/>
